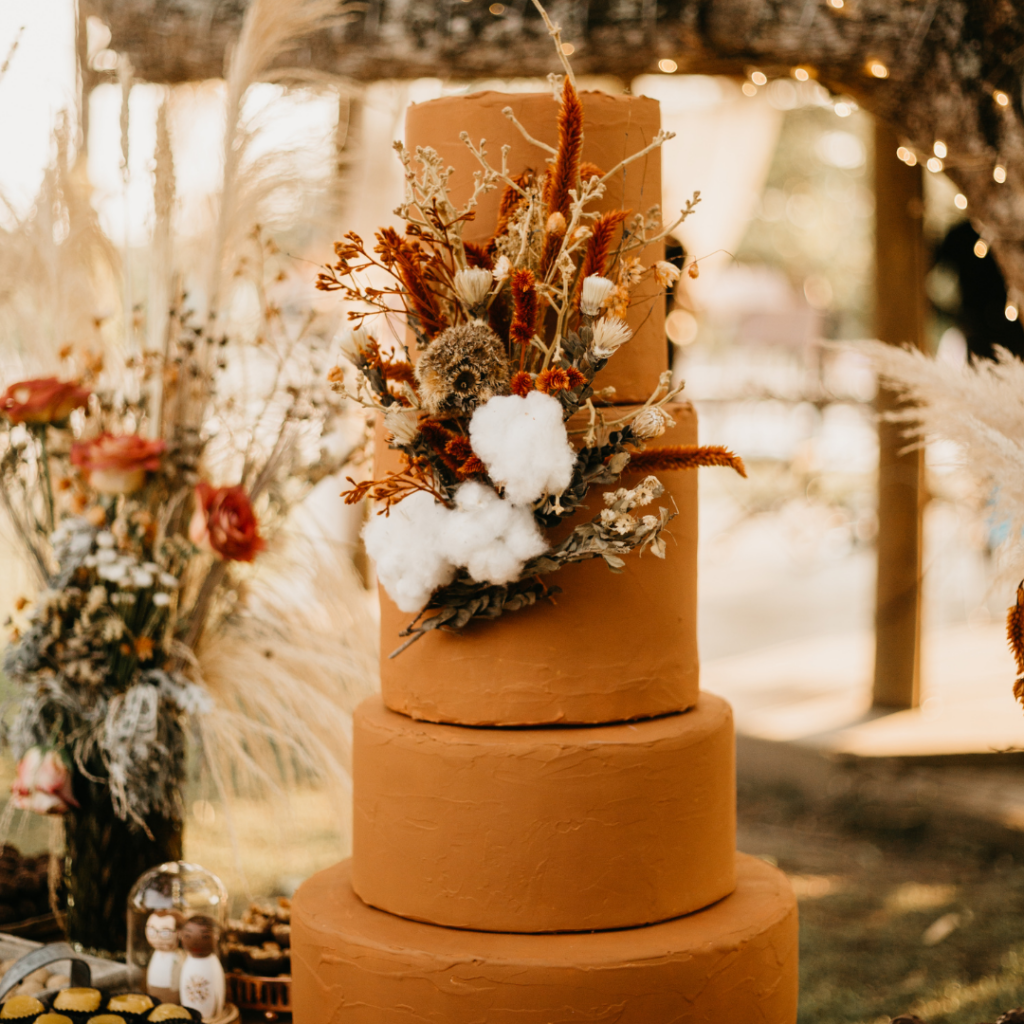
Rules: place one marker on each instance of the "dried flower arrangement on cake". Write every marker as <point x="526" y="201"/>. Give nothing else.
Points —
<point x="513" y="336"/>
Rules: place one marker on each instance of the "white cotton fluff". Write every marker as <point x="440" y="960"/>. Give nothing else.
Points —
<point x="488" y="536"/>
<point x="524" y="445"/>
<point x="420" y="545"/>
<point x="406" y="547"/>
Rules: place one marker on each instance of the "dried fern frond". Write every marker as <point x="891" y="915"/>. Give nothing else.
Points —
<point x="672" y="457"/>
<point x="981" y="409"/>
<point x="269" y="29"/>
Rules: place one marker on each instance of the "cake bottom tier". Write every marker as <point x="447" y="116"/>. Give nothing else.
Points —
<point x="733" y="963"/>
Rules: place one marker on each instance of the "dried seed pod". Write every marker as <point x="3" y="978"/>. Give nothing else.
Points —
<point x="463" y="367"/>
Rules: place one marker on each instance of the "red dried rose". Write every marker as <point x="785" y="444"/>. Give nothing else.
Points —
<point x="46" y="400"/>
<point x="117" y="465"/>
<point x="225" y="524"/>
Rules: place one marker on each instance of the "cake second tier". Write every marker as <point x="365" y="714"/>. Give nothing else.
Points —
<point x="544" y="830"/>
<point x="608" y="648"/>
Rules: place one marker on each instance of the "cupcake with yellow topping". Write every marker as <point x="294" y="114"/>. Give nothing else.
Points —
<point x="106" y="1018"/>
<point x="21" y="1009"/>
<point x="77" y="1000"/>
<point x="169" y="1011"/>
<point x="53" y="1018"/>
<point x="132" y="1006"/>
<point x="78" y="1003"/>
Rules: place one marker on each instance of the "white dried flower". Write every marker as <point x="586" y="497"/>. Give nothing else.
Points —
<point x="595" y="290"/>
<point x="556" y="224"/>
<point x="161" y="600"/>
<point x="113" y="629"/>
<point x="105" y="539"/>
<point x="473" y="286"/>
<point x="502" y="268"/>
<point x="651" y="422"/>
<point x="151" y="567"/>
<point x="621" y="523"/>
<point x="167" y="580"/>
<point x="106" y="557"/>
<point x="112" y="573"/>
<point x="665" y="273"/>
<point x="401" y="424"/>
<point x="353" y="343"/>
<point x="141" y="579"/>
<point x="96" y="600"/>
<point x="610" y="334"/>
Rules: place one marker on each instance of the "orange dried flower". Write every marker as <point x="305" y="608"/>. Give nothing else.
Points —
<point x="565" y="171"/>
<point x="684" y="456"/>
<point x="1015" y="629"/>
<point x="694" y="270"/>
<point x="600" y="243"/>
<point x="555" y="379"/>
<point x="471" y="467"/>
<point x="459" y="448"/>
<point x="522" y="384"/>
<point x="524" y="300"/>
<point x="143" y="648"/>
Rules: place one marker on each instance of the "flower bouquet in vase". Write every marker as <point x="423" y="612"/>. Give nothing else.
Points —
<point x="176" y="622"/>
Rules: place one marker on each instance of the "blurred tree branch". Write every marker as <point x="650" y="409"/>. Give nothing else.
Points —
<point x="948" y="62"/>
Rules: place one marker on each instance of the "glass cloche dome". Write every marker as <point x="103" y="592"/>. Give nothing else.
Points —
<point x="159" y="905"/>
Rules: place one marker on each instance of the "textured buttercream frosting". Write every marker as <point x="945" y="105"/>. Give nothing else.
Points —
<point x="610" y="648"/>
<point x="542" y="830"/>
<point x="734" y="963"/>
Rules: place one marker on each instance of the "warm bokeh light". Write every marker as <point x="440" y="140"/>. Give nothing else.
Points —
<point x="759" y="78"/>
<point x="999" y="173"/>
<point x="878" y="70"/>
<point x="934" y="165"/>
<point x="801" y="74"/>
<point x="668" y="66"/>
<point x="1001" y="98"/>
<point x="568" y="49"/>
<point x="960" y="201"/>
<point x="749" y="89"/>
<point x="1010" y="311"/>
<point x="981" y="248"/>
<point x="939" y="149"/>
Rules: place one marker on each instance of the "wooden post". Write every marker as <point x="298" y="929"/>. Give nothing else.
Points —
<point x="899" y="320"/>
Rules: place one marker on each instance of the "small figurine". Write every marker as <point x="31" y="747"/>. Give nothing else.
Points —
<point x="165" y="964"/>
<point x="202" y="977"/>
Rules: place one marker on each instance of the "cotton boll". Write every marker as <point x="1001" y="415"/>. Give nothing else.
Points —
<point x="406" y="547"/>
<point x="489" y="536"/>
<point x="524" y="444"/>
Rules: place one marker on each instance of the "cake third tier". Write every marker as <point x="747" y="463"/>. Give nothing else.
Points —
<point x="734" y="963"/>
<point x="543" y="830"/>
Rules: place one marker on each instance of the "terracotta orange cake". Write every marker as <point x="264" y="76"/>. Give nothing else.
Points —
<point x="544" y="802"/>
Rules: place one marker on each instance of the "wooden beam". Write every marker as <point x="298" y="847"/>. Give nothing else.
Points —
<point x="899" y="320"/>
<point x="941" y="69"/>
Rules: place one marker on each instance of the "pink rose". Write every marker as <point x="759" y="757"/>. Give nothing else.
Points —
<point x="117" y="465"/>
<point x="42" y="783"/>
<point x="46" y="400"/>
<point x="225" y="523"/>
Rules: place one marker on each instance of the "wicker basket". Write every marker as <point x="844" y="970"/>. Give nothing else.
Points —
<point x="273" y="996"/>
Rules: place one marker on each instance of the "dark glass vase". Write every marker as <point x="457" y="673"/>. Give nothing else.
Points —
<point x="103" y="858"/>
